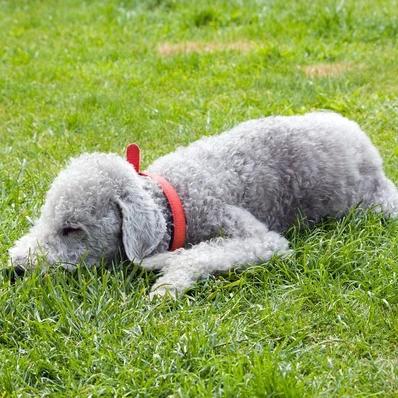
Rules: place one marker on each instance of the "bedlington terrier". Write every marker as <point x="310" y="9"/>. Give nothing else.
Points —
<point x="240" y="190"/>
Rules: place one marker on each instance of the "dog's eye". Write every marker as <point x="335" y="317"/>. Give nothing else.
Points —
<point x="70" y="230"/>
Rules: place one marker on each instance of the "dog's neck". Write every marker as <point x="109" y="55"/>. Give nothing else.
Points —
<point x="155" y="191"/>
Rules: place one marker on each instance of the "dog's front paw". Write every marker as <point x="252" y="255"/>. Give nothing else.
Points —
<point x="174" y="281"/>
<point x="163" y="291"/>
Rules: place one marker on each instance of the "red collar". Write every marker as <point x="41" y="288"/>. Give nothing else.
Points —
<point x="177" y="211"/>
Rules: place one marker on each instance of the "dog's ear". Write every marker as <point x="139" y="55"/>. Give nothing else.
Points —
<point x="143" y="224"/>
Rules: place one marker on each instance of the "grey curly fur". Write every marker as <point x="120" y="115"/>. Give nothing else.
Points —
<point x="239" y="189"/>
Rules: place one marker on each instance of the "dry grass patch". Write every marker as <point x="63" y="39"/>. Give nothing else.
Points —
<point x="326" y="70"/>
<point x="188" y="47"/>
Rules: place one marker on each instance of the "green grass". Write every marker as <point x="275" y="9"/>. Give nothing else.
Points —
<point x="87" y="76"/>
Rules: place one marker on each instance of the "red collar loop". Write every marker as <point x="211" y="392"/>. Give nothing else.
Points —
<point x="133" y="156"/>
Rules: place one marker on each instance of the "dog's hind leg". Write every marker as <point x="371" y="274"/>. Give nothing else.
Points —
<point x="248" y="241"/>
<point x="385" y="198"/>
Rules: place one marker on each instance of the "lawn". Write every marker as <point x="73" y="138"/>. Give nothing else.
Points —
<point x="81" y="76"/>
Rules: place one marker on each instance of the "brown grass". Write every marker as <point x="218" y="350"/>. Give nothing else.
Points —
<point x="326" y="70"/>
<point x="188" y="47"/>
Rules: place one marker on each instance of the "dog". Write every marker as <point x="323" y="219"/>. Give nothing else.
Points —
<point x="239" y="191"/>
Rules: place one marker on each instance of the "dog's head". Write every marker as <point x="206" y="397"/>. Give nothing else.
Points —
<point x="97" y="208"/>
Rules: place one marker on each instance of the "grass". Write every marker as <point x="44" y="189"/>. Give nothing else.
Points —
<point x="92" y="76"/>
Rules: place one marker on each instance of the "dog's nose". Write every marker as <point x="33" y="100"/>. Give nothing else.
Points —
<point x="14" y="273"/>
<point x="19" y="271"/>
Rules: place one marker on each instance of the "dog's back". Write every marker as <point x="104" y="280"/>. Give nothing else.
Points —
<point x="315" y="165"/>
